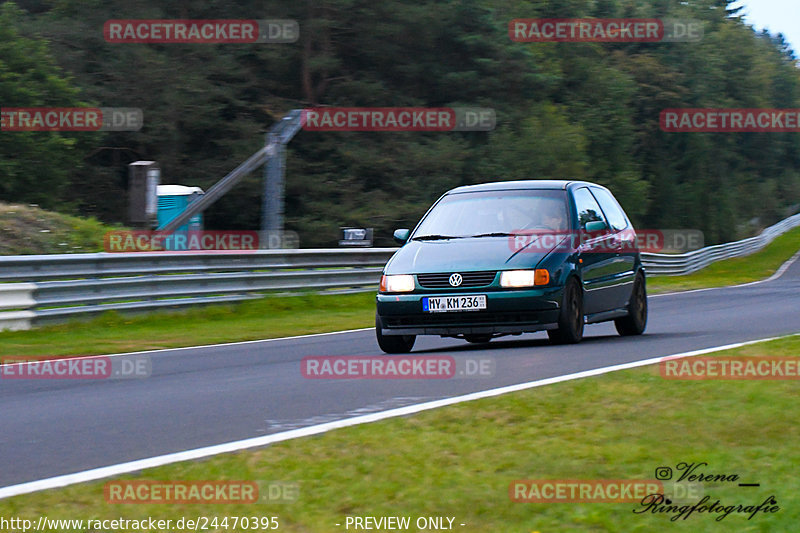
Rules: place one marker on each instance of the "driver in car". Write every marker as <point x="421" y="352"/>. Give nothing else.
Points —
<point x="553" y="217"/>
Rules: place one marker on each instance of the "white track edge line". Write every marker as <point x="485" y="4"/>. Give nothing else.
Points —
<point x="157" y="350"/>
<point x="208" y="451"/>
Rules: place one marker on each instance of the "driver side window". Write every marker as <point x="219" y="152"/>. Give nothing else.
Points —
<point x="611" y="209"/>
<point x="586" y="205"/>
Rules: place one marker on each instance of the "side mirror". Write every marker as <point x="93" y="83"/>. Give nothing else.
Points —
<point x="401" y="235"/>
<point x="595" y="225"/>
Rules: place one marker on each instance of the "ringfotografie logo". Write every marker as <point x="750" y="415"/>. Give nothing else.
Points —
<point x="695" y="474"/>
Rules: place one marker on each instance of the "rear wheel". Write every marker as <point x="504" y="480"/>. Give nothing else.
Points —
<point x="479" y="338"/>
<point x="570" y="320"/>
<point x="636" y="321"/>
<point x="393" y="343"/>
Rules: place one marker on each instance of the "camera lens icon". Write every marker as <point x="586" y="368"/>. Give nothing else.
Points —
<point x="663" y="473"/>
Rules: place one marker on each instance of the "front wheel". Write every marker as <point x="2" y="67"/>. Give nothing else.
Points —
<point x="636" y="321"/>
<point x="393" y="343"/>
<point x="570" y="319"/>
<point x="478" y="338"/>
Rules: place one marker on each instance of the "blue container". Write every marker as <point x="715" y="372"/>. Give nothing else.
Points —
<point x="173" y="200"/>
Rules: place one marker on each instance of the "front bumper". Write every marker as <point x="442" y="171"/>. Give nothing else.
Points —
<point x="507" y="311"/>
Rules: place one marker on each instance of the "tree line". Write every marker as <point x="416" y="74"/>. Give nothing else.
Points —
<point x="564" y="110"/>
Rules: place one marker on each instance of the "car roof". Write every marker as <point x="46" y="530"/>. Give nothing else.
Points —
<point x="521" y="184"/>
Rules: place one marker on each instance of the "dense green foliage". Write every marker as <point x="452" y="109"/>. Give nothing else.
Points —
<point x="35" y="166"/>
<point x="583" y="110"/>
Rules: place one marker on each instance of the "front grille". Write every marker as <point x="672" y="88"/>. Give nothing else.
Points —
<point x="469" y="279"/>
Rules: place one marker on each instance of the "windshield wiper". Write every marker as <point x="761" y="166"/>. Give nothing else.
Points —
<point x="435" y="237"/>
<point x="495" y="234"/>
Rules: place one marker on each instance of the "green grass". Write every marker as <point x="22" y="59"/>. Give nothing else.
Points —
<point x="269" y="317"/>
<point x="754" y="267"/>
<point x="31" y="230"/>
<point x="278" y="316"/>
<point x="459" y="461"/>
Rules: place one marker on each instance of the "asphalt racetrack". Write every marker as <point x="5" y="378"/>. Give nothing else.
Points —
<point x="202" y="396"/>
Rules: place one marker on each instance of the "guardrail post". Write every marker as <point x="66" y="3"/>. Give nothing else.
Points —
<point x="16" y="296"/>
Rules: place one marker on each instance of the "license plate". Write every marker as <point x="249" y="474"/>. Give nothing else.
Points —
<point x="443" y="304"/>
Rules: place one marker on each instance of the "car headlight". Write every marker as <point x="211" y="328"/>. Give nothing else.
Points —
<point x="397" y="283"/>
<point x="524" y="278"/>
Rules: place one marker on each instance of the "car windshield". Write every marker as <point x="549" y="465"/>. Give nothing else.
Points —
<point x="494" y="213"/>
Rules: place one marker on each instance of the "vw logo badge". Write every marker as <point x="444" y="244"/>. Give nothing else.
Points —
<point x="455" y="279"/>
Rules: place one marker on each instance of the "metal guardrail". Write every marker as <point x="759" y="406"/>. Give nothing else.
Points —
<point x="60" y="286"/>
<point x="48" y="288"/>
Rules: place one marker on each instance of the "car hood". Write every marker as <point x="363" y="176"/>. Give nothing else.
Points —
<point x="464" y="255"/>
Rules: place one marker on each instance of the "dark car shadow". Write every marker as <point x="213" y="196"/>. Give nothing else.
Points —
<point x="502" y="343"/>
<point x="499" y="343"/>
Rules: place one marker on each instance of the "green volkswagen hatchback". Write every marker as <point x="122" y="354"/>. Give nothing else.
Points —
<point x="512" y="257"/>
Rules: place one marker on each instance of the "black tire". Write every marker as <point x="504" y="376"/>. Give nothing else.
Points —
<point x="393" y="343"/>
<point x="570" y="319"/>
<point x="636" y="321"/>
<point x="479" y="338"/>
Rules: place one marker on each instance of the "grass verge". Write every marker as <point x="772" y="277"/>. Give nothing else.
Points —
<point x="269" y="317"/>
<point x="459" y="461"/>
<point x="278" y="316"/>
<point x="26" y="229"/>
